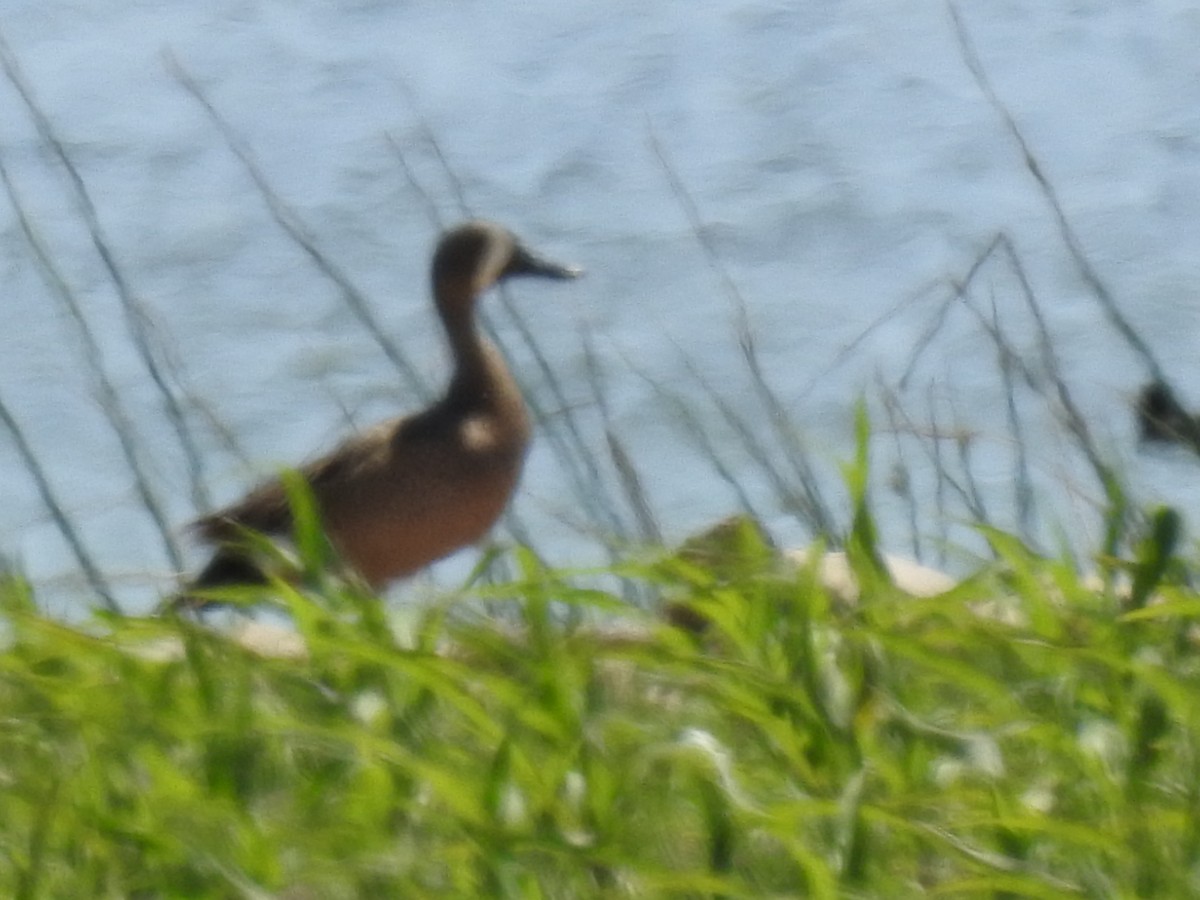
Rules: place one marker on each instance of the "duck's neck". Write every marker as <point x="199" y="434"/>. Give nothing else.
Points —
<point x="480" y="376"/>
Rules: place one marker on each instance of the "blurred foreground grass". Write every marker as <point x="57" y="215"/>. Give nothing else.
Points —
<point x="1024" y="734"/>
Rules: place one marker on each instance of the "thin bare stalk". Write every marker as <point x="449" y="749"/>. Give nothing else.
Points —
<point x="515" y="526"/>
<point x="65" y="527"/>
<point x="963" y="438"/>
<point x="944" y="477"/>
<point x="939" y="468"/>
<point x="287" y="219"/>
<point x="110" y="403"/>
<point x="964" y="443"/>
<point x="1071" y="415"/>
<point x="452" y="180"/>
<point x="788" y="435"/>
<point x="1023" y="495"/>
<point x="778" y="415"/>
<point x="959" y="289"/>
<point x="700" y="437"/>
<point x="583" y="473"/>
<point x="696" y="223"/>
<point x="221" y="430"/>
<point x="431" y="209"/>
<point x="1058" y="394"/>
<point x="798" y="503"/>
<point x="136" y="319"/>
<point x="1108" y="302"/>
<point x="572" y="450"/>
<point x="849" y="349"/>
<point x="627" y="475"/>
<point x="901" y="478"/>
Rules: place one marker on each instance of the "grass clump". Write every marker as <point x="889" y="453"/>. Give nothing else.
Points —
<point x="1024" y="734"/>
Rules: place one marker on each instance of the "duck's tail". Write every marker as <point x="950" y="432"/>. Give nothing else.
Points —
<point x="229" y="567"/>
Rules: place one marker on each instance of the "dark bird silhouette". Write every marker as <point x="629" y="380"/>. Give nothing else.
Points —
<point x="1162" y="418"/>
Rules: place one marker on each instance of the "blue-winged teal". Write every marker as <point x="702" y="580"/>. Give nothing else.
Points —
<point x="1162" y="418"/>
<point x="410" y="491"/>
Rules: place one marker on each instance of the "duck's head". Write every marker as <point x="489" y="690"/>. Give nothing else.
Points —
<point x="1160" y="415"/>
<point x="472" y="257"/>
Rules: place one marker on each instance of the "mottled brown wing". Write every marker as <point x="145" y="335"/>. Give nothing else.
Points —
<point x="266" y="508"/>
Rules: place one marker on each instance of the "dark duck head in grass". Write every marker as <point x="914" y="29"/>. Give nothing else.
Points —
<point x="401" y="495"/>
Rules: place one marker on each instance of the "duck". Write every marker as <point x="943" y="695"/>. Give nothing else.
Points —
<point x="1162" y="418"/>
<point x="407" y="492"/>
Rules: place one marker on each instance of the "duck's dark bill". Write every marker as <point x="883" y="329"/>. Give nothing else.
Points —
<point x="525" y="263"/>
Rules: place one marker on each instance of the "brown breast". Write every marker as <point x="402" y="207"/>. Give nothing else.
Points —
<point x="422" y="500"/>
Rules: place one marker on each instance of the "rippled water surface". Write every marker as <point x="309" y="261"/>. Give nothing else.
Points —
<point x="842" y="161"/>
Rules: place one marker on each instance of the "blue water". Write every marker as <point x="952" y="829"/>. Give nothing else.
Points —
<point x="842" y="159"/>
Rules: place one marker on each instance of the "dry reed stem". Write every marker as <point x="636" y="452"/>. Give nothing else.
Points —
<point x="137" y="321"/>
<point x="110" y="403"/>
<point x="287" y="219"/>
<point x="63" y="522"/>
